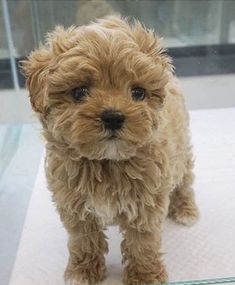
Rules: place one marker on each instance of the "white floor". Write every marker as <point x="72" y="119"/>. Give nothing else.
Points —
<point x="205" y="251"/>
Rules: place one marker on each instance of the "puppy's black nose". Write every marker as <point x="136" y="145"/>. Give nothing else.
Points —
<point x="113" y="120"/>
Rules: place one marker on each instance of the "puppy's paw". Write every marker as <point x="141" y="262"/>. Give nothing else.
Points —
<point x="85" y="274"/>
<point x="136" y="277"/>
<point x="185" y="214"/>
<point x="76" y="282"/>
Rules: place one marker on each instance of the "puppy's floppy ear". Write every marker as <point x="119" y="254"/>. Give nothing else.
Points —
<point x="151" y="45"/>
<point x="35" y="68"/>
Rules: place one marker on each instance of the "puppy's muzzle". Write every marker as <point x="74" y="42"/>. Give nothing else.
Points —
<point x="112" y="120"/>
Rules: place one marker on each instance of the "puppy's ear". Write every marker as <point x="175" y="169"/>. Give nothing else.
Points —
<point x="35" y="69"/>
<point x="151" y="45"/>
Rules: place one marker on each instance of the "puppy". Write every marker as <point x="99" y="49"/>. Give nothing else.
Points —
<point x="117" y="144"/>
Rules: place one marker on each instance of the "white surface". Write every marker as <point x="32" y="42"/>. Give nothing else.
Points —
<point x="207" y="92"/>
<point x="16" y="107"/>
<point x="206" y="250"/>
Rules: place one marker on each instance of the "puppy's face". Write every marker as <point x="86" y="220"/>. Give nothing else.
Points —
<point x="98" y="89"/>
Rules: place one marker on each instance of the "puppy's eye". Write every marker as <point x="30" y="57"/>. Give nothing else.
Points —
<point x="79" y="93"/>
<point x="138" y="93"/>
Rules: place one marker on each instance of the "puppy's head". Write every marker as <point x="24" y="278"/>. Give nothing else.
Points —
<point x="98" y="88"/>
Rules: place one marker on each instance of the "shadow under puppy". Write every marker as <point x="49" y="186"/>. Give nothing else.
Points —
<point x="117" y="144"/>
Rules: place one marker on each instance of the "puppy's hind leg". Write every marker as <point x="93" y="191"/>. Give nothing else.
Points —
<point x="183" y="208"/>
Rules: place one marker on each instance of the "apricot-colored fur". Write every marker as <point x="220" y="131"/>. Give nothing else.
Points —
<point x="130" y="181"/>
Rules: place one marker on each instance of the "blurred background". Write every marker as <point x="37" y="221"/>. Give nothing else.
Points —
<point x="199" y="35"/>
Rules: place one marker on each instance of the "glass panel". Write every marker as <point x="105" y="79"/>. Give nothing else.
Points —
<point x="20" y="145"/>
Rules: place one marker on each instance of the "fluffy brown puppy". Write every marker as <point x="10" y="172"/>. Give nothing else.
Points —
<point x="117" y="142"/>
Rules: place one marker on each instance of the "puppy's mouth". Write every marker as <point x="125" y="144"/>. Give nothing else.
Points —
<point x="113" y="136"/>
<point x="110" y="137"/>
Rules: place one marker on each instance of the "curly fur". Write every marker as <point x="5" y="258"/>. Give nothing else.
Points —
<point x="131" y="181"/>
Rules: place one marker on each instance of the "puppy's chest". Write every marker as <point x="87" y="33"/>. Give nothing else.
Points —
<point x="108" y="200"/>
<point x="105" y="210"/>
<point x="119" y="191"/>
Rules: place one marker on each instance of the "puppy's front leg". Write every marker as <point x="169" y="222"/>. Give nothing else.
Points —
<point x="87" y="246"/>
<point x="141" y="251"/>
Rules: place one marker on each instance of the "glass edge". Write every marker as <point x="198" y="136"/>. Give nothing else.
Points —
<point x="201" y="282"/>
